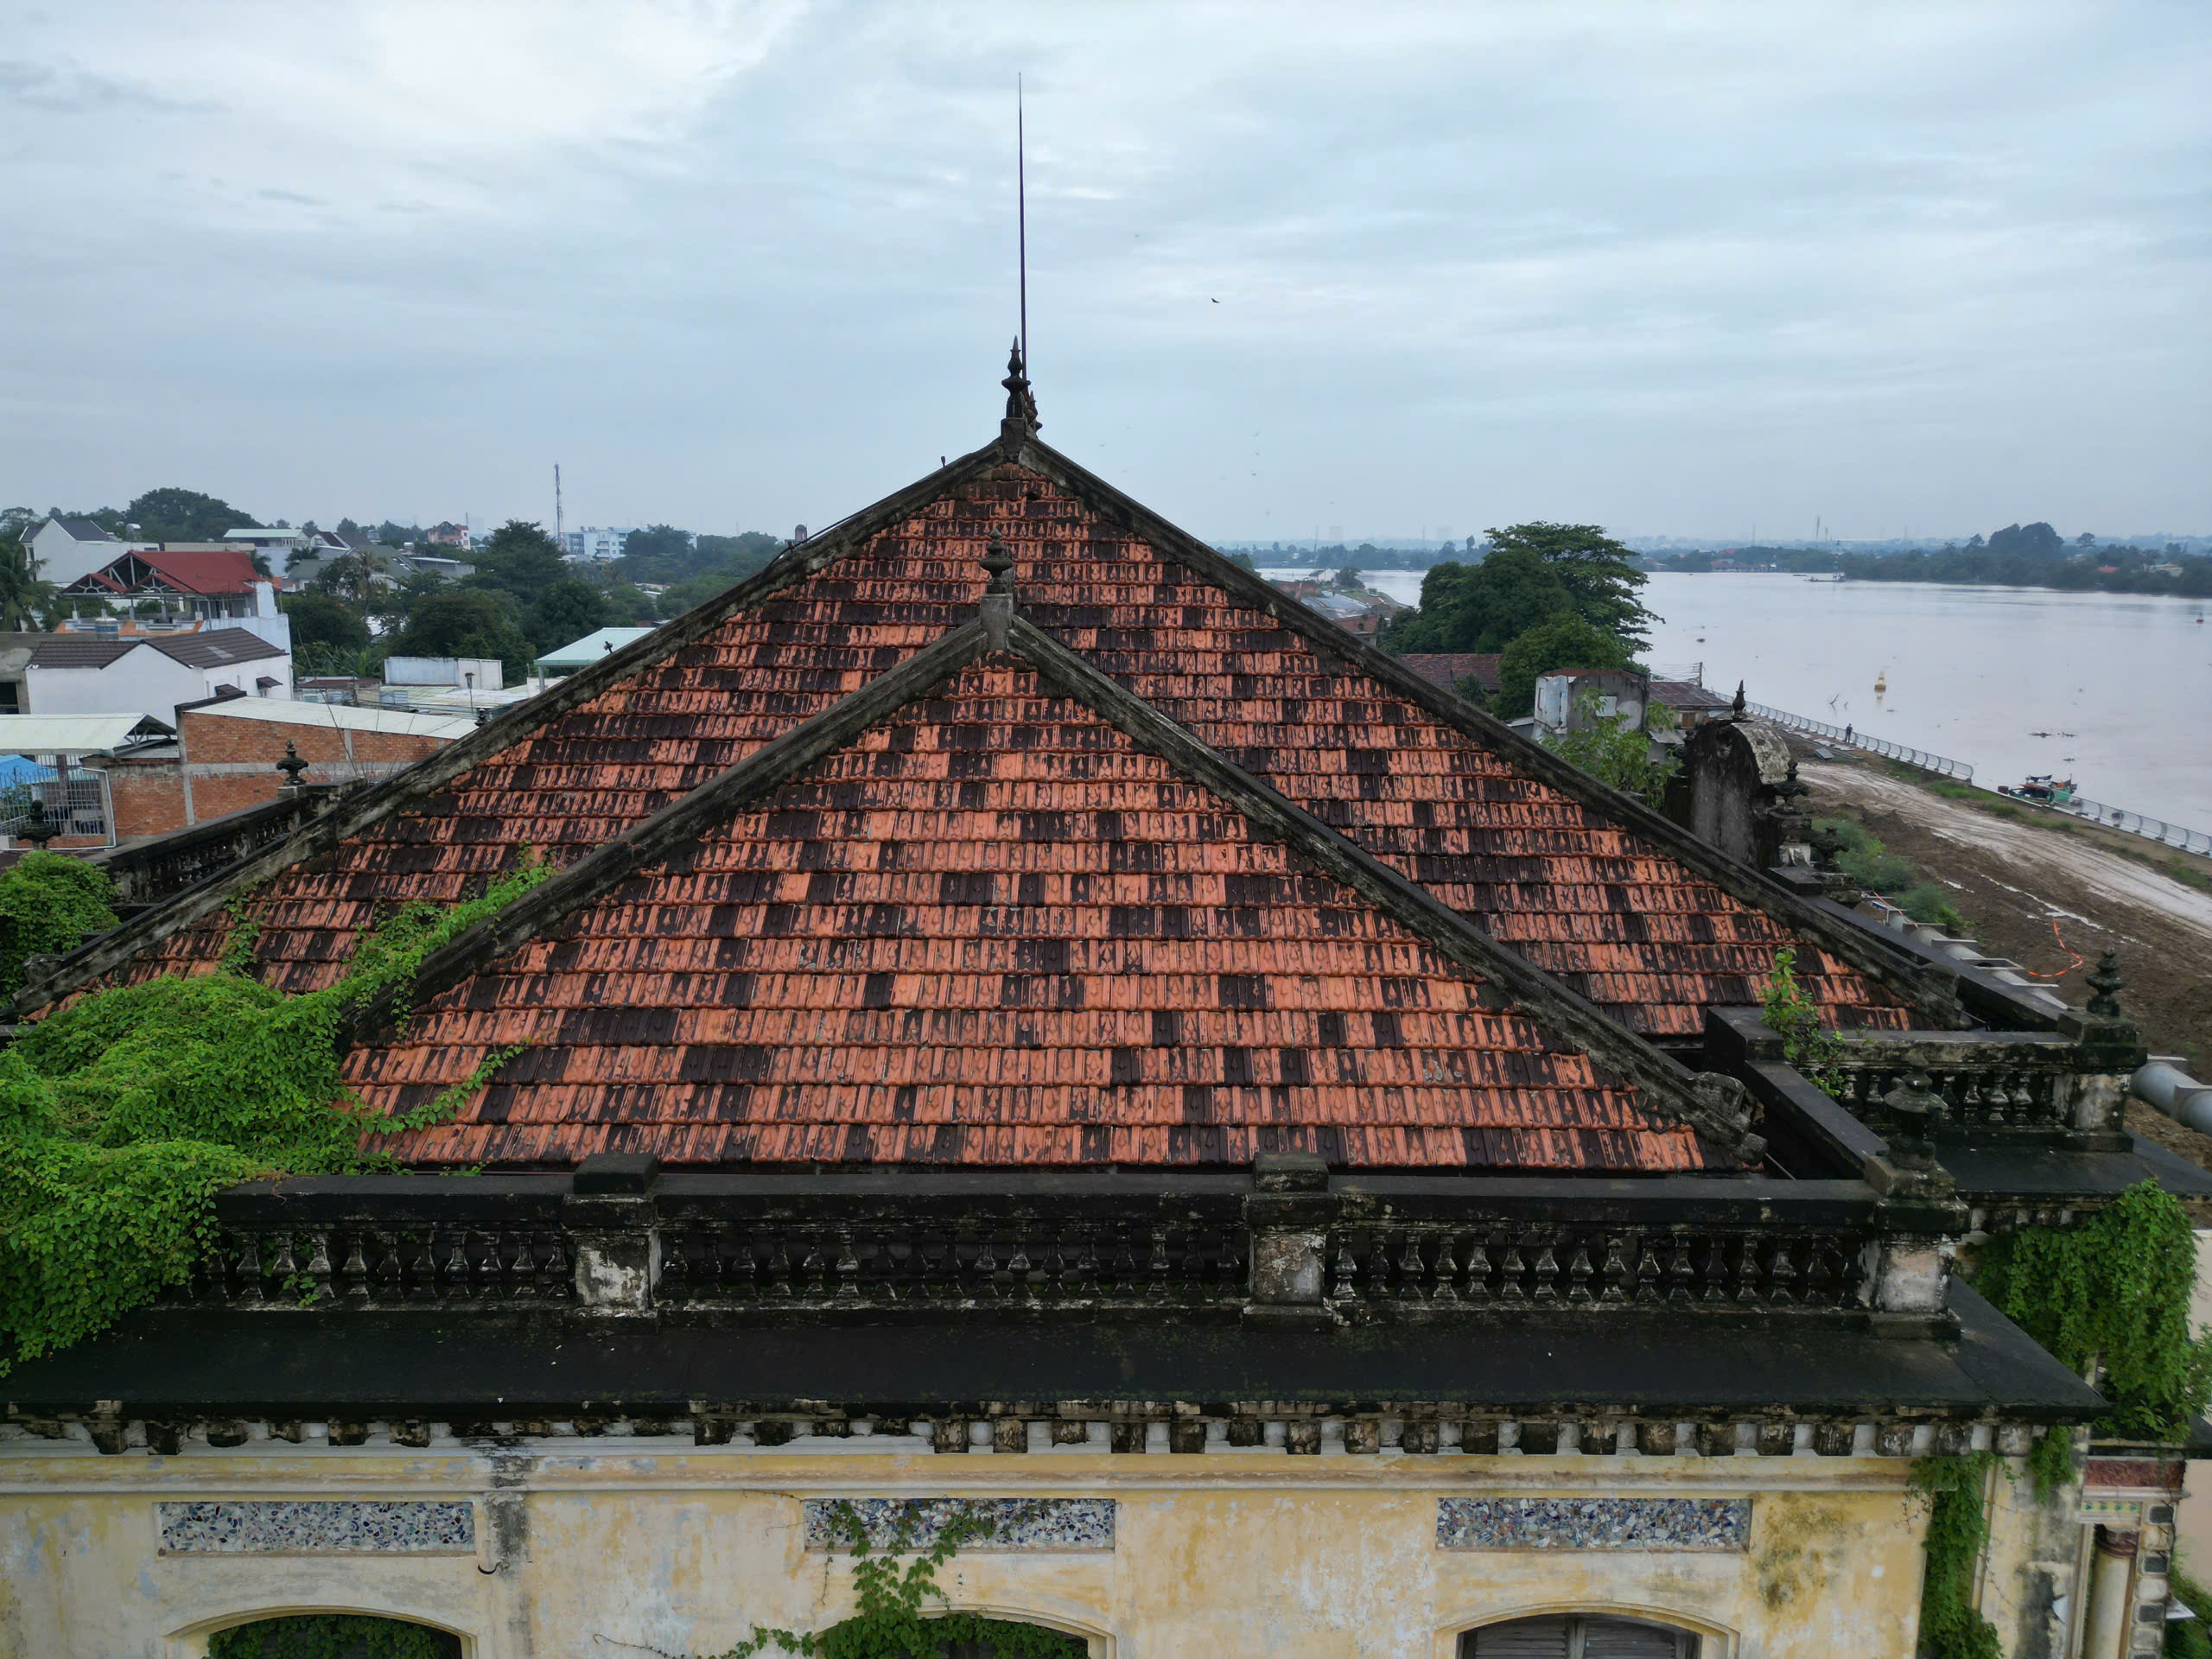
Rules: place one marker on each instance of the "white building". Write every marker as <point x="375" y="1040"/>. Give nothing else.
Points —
<point x="67" y="548"/>
<point x="595" y="544"/>
<point x="87" y="674"/>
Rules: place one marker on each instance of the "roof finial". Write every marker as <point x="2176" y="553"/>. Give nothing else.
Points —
<point x="996" y="609"/>
<point x="1021" y="420"/>
<point x="1736" y="707"/>
<point x="998" y="562"/>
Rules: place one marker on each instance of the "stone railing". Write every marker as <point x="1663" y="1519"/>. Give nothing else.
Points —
<point x="1227" y="1245"/>
<point x="1989" y="1085"/>
<point x="148" y="872"/>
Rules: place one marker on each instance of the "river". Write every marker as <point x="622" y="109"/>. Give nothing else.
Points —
<point x="2122" y="683"/>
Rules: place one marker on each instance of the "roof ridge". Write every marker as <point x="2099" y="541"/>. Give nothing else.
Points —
<point x="1926" y="990"/>
<point x="1717" y="1108"/>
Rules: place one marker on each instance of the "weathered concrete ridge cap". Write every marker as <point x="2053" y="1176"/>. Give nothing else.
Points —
<point x="616" y="1172"/>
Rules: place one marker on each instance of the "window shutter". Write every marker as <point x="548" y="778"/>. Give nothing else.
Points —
<point x="1616" y="1638"/>
<point x="1525" y="1638"/>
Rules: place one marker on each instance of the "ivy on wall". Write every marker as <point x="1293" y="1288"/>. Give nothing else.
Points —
<point x="898" y="1610"/>
<point x="1794" y="1017"/>
<point x="48" y="903"/>
<point x="1951" y="1627"/>
<point x="2114" y="1293"/>
<point x="122" y="1114"/>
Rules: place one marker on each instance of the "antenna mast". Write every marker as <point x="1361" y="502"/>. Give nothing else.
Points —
<point x="557" y="503"/>
<point x="1022" y="216"/>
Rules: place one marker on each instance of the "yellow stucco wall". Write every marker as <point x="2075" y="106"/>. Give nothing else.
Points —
<point x="660" y="1547"/>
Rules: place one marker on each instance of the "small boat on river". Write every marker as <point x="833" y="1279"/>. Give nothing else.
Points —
<point x="2042" y="788"/>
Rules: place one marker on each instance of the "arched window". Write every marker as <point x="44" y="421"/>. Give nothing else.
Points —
<point x="1579" y="1636"/>
<point x="332" y="1635"/>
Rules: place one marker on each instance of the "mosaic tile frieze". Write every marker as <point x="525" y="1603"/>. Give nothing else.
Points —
<point x="317" y="1527"/>
<point x="1014" y="1522"/>
<point x="1673" y="1524"/>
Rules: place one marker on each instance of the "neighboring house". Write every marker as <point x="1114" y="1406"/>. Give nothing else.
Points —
<point x="56" y="760"/>
<point x="1572" y="699"/>
<point x="67" y="548"/>
<point x="476" y="673"/>
<point x="195" y="584"/>
<point x="225" y="754"/>
<point x="1360" y="617"/>
<point x="1450" y="668"/>
<point x="448" y="535"/>
<point x="582" y="653"/>
<point x="88" y="674"/>
<point x="16" y="650"/>
<point x="319" y="543"/>
<point x="1295" y="1168"/>
<point x="1694" y="705"/>
<point x="594" y="544"/>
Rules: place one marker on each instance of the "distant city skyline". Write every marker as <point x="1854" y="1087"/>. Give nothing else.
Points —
<point x="751" y="262"/>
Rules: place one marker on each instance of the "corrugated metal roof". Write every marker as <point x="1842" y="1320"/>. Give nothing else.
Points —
<point x="581" y="654"/>
<point x="77" y="734"/>
<point x="338" y="717"/>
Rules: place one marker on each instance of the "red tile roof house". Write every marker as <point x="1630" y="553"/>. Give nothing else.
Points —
<point x="1016" y="982"/>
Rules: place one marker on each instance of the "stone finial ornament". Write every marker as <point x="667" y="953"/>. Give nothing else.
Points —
<point x="36" y="828"/>
<point x="291" y="765"/>
<point x="998" y="562"/>
<point x="2104" y="986"/>
<point x="1021" y="402"/>
<point x="1914" y="1109"/>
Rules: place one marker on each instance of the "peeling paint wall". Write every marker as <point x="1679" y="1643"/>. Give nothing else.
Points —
<point x="618" y="1547"/>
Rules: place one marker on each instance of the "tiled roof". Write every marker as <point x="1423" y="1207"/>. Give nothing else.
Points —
<point x="202" y="648"/>
<point x="210" y="572"/>
<point x="995" y="930"/>
<point x="81" y="529"/>
<point x="1562" y="881"/>
<point x="1447" y="668"/>
<point x="1687" y="695"/>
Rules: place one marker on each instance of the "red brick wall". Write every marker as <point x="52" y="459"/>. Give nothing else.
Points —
<point x="220" y="739"/>
<point x="148" y="798"/>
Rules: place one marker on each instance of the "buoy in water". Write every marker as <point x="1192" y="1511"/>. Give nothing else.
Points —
<point x="1881" y="682"/>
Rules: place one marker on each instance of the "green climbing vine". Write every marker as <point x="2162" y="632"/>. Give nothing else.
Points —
<point x="899" y="1612"/>
<point x="1951" y="1627"/>
<point x="122" y="1115"/>
<point x="2112" y="1293"/>
<point x="1794" y="1017"/>
<point x="331" y="1635"/>
<point x="48" y="903"/>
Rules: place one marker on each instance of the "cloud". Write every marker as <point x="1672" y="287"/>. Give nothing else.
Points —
<point x="1667" y="268"/>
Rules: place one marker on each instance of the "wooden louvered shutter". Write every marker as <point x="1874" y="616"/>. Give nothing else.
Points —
<point x="1525" y="1638"/>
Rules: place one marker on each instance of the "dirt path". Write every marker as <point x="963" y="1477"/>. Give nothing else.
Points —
<point x="2046" y="898"/>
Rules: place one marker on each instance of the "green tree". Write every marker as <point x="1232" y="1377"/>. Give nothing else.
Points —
<point x="48" y="903"/>
<point x="566" y="610"/>
<point x="1598" y="572"/>
<point x="396" y="535"/>
<point x="178" y="515"/>
<point x="319" y="619"/>
<point x="1565" y="641"/>
<point x="658" y="544"/>
<point x="1347" y="580"/>
<point x="1481" y="606"/>
<point x="459" y="623"/>
<point x="26" y="604"/>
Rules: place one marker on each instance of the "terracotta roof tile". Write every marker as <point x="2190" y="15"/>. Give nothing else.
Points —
<point x="1649" y="939"/>
<point x="992" y="931"/>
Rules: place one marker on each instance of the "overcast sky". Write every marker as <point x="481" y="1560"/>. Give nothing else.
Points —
<point x="1679" y="268"/>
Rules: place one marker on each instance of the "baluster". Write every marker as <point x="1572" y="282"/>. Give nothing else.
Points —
<point x="1781" y="1274"/>
<point x="1648" y="1273"/>
<point x="456" y="1270"/>
<point x="1510" y="1266"/>
<point x="1546" y="1271"/>
<point x="1444" y="1278"/>
<point x="247" y="1270"/>
<point x="422" y="1271"/>
<point x="1478" y="1269"/>
<point x="1194" y="1264"/>
<point x="522" y="1267"/>
<point x="1232" y="1259"/>
<point x="2042" y="1106"/>
<point x="1819" y="1274"/>
<point x="984" y="1269"/>
<point x="1973" y="1106"/>
<point x="282" y="1269"/>
<point x="1713" y="1270"/>
<point x="1614" y="1273"/>
<point x="848" y="1268"/>
<point x="1578" y="1277"/>
<point x="811" y="1268"/>
<point x="1086" y="1263"/>
<point x="317" y="1267"/>
<point x="1411" y="1269"/>
<point x="390" y="1268"/>
<point x="354" y="1273"/>
<point x="1157" y="1290"/>
<point x="678" y="1274"/>
<point x="1680" y="1274"/>
<point x="779" y="1263"/>
<point x="1346" y="1283"/>
<point x="556" y="1282"/>
<point x="1747" y="1272"/>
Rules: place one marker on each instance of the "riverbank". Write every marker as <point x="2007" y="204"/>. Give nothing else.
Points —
<point x="2048" y="891"/>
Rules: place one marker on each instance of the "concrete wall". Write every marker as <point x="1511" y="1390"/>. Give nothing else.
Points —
<point x="649" y="1546"/>
<point x="140" y="681"/>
